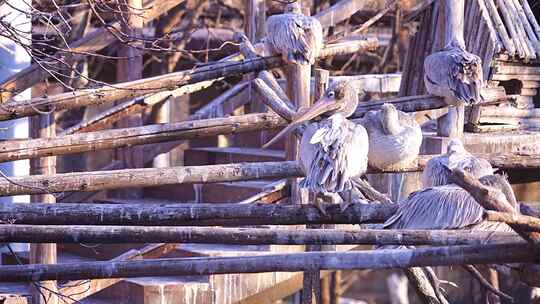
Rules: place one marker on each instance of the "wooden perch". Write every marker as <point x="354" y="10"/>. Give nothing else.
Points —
<point x="305" y="261"/>
<point x="270" y="98"/>
<point x="246" y="236"/>
<point x="183" y="214"/>
<point x="116" y="138"/>
<point x="190" y="214"/>
<point x="492" y="199"/>
<point x="90" y="43"/>
<point x="343" y="10"/>
<point x="147" y="177"/>
<point x="526" y="223"/>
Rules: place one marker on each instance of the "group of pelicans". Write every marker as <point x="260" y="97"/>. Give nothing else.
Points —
<point x="334" y="151"/>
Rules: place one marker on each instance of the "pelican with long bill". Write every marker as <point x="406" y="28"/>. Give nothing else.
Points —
<point x="334" y="149"/>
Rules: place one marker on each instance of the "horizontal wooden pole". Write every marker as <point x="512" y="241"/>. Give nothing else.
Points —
<point x="200" y="214"/>
<point x="246" y="236"/>
<point x="147" y="177"/>
<point x="126" y="178"/>
<point x="305" y="261"/>
<point x="189" y="214"/>
<point x="109" y="139"/>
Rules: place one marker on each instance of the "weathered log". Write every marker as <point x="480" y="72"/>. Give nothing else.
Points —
<point x="273" y="101"/>
<point x="90" y="43"/>
<point x="305" y="261"/>
<point x="526" y="223"/>
<point x="492" y="199"/>
<point x="128" y="90"/>
<point x="190" y="214"/>
<point x="246" y="236"/>
<point x="109" y="139"/>
<point x="146" y="177"/>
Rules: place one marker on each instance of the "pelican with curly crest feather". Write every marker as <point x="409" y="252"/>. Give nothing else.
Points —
<point x="298" y="38"/>
<point x="334" y="149"/>
<point x="457" y="157"/>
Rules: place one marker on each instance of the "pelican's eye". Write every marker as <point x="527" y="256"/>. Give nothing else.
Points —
<point x="331" y="94"/>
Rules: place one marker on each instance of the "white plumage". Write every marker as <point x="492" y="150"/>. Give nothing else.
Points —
<point x="298" y="38"/>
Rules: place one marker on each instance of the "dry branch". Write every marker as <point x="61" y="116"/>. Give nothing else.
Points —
<point x="343" y="10"/>
<point x="90" y="43"/>
<point x="190" y="214"/>
<point x="306" y="261"/>
<point x="109" y="139"/>
<point x="246" y="236"/>
<point x="492" y="199"/>
<point x="526" y="223"/>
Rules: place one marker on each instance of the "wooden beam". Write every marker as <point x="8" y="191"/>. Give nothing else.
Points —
<point x="90" y="43"/>
<point x="305" y="261"/>
<point x="109" y="139"/>
<point x="190" y="214"/>
<point x="247" y="236"/>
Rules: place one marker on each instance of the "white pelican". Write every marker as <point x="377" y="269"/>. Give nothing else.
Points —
<point x="298" y="38"/>
<point x="335" y="149"/>
<point x="436" y="172"/>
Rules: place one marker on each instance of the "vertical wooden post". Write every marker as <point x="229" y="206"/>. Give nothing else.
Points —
<point x="452" y="12"/>
<point x="43" y="126"/>
<point x="130" y="68"/>
<point x="493" y="278"/>
<point x="335" y="287"/>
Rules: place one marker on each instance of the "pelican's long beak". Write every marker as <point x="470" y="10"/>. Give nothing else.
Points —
<point x="324" y="105"/>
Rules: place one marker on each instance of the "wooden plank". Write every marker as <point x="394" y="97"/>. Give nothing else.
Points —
<point x="378" y="259"/>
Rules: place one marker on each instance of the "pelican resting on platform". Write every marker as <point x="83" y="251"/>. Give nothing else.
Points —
<point x="333" y="150"/>
<point x="394" y="138"/>
<point x="298" y="38"/>
<point x="436" y="172"/>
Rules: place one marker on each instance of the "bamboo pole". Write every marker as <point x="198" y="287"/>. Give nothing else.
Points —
<point x="167" y="82"/>
<point x="247" y="236"/>
<point x="90" y="43"/>
<point x="378" y="259"/>
<point x="45" y="292"/>
<point x="190" y="214"/>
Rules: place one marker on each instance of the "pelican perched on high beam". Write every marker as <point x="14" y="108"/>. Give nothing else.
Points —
<point x="436" y="172"/>
<point x="453" y="73"/>
<point x="298" y="38"/>
<point x="335" y="149"/>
